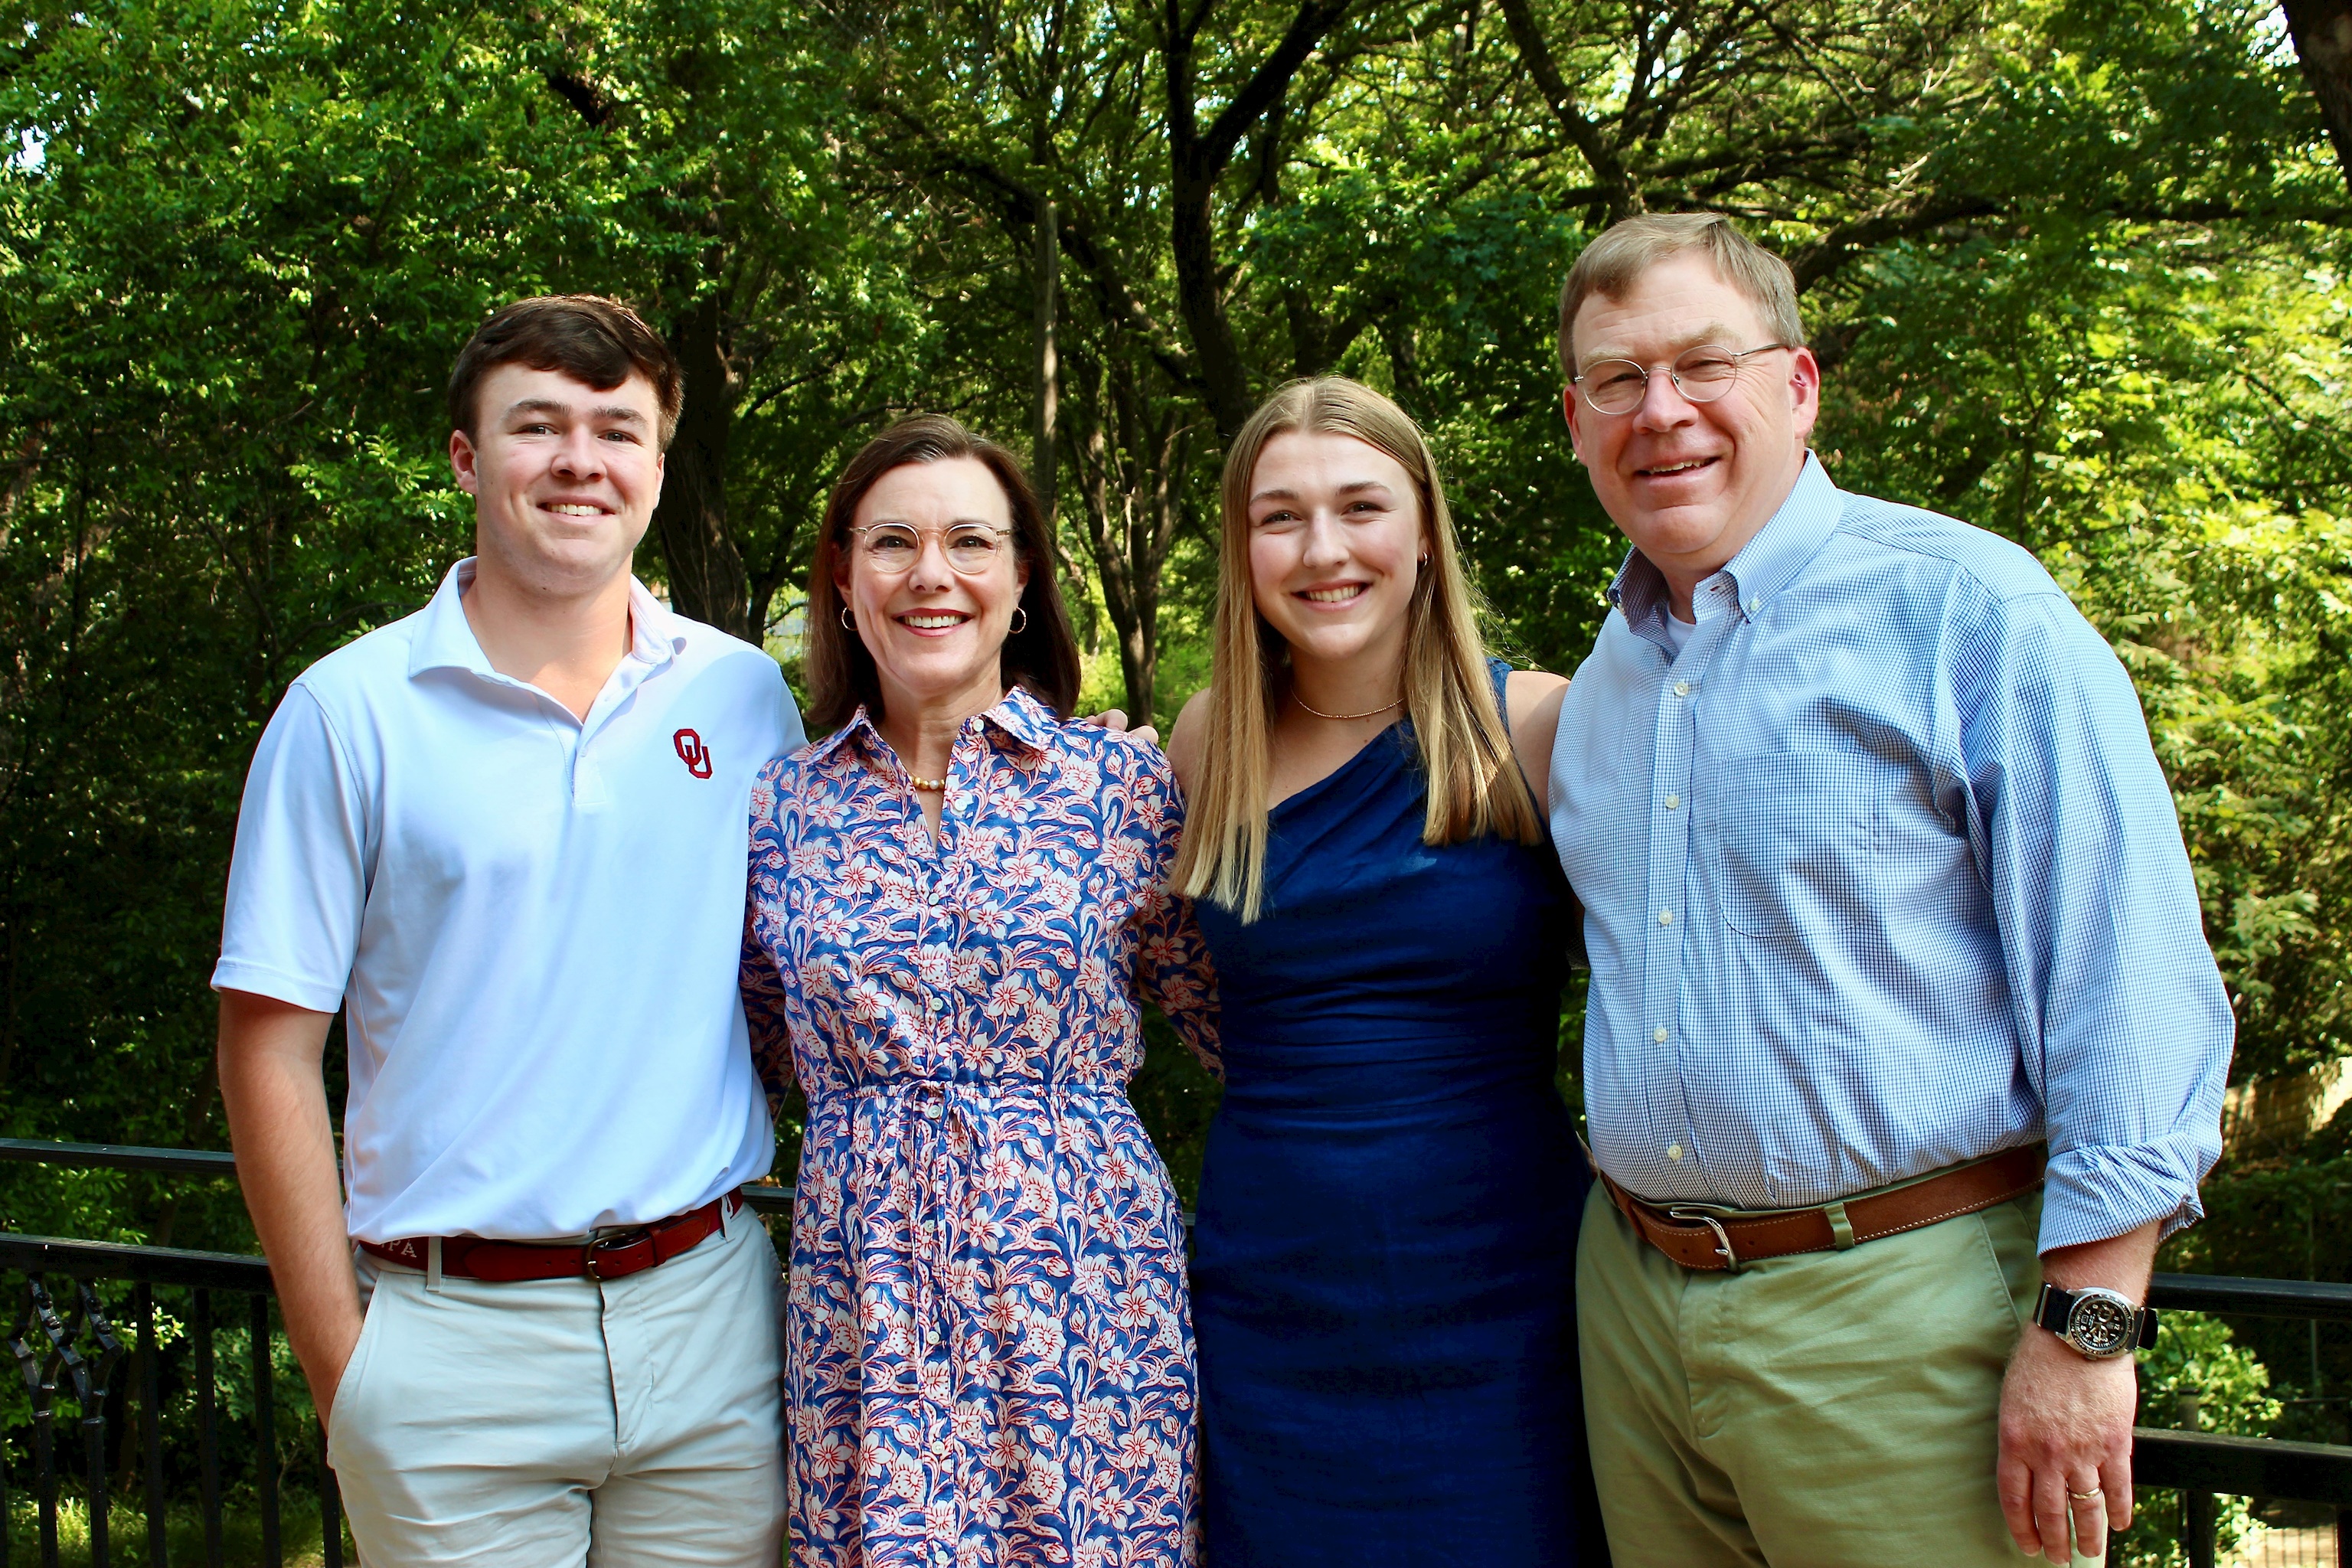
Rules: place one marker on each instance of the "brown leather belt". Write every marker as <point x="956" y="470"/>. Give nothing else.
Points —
<point x="616" y="1257"/>
<point x="1697" y="1239"/>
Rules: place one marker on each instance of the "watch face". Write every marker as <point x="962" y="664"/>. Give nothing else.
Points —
<point x="2101" y="1325"/>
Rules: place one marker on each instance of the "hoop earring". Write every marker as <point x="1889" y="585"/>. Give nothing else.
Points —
<point x="1023" y="611"/>
<point x="847" y="625"/>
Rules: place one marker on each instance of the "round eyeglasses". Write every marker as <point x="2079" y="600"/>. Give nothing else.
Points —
<point x="891" y="548"/>
<point x="1701" y="375"/>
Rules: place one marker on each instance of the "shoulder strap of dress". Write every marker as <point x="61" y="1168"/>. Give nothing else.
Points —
<point x="1500" y="671"/>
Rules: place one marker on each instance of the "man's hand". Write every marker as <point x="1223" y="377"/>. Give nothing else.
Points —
<point x="1116" y="719"/>
<point x="277" y="1103"/>
<point x="2066" y="1427"/>
<point x="333" y="1343"/>
<point x="2066" y="1420"/>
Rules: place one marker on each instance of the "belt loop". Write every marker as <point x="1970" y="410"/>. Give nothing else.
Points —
<point x="1839" y="1226"/>
<point x="433" y="1265"/>
<point x="724" y="1196"/>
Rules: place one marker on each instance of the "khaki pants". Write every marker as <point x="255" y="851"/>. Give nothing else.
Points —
<point x="1827" y="1410"/>
<point x="635" y="1423"/>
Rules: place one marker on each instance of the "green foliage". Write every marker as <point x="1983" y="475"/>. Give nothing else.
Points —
<point x="2195" y="1379"/>
<point x="2287" y="1220"/>
<point x="2077" y="272"/>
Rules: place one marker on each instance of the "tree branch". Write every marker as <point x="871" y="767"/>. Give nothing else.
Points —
<point x="1607" y="168"/>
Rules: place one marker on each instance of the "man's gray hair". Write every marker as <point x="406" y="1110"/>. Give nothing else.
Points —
<point x="1631" y="247"/>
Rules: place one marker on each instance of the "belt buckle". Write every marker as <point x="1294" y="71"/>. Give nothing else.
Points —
<point x="619" y="1243"/>
<point x="1722" y="1236"/>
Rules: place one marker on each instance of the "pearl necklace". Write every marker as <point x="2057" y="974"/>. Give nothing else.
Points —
<point x="1368" y="713"/>
<point x="928" y="786"/>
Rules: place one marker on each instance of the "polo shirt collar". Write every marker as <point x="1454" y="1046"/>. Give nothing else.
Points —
<point x="1020" y="718"/>
<point x="1762" y="568"/>
<point x="444" y="640"/>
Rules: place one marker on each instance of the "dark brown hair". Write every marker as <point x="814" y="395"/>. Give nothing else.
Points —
<point x="839" y="672"/>
<point x="592" y="340"/>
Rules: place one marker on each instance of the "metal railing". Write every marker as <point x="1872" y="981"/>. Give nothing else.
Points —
<point x="74" y="1350"/>
<point x="66" y="1344"/>
<point x="2202" y="1466"/>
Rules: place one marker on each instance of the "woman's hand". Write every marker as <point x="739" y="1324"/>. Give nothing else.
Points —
<point x="1116" y="719"/>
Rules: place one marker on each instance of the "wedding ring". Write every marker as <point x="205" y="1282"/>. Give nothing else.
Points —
<point x="2091" y="1496"/>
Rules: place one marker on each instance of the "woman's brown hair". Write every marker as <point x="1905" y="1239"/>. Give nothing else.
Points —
<point x="1475" y="784"/>
<point x="1042" y="656"/>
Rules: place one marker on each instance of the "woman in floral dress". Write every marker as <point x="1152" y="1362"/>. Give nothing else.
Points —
<point x="957" y="900"/>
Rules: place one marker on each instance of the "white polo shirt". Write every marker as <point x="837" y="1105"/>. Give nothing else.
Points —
<point x="532" y="922"/>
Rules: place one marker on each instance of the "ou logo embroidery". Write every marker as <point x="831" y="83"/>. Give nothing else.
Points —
<point x="692" y="753"/>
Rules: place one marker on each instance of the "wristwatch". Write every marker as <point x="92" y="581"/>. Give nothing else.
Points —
<point x="2097" y="1322"/>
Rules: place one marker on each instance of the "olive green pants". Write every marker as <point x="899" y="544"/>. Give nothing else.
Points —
<point x="1830" y="1410"/>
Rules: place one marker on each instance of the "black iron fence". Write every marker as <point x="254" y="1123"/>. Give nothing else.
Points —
<point x="93" y="1369"/>
<point x="68" y="1345"/>
<point x="2202" y="1466"/>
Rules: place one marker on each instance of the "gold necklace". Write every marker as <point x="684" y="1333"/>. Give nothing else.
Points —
<point x="1369" y="713"/>
<point x="929" y="787"/>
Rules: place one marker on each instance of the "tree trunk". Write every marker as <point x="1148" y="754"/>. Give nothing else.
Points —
<point x="1122" y="519"/>
<point x="1106" y="531"/>
<point x="1192" y="238"/>
<point x="1197" y="159"/>
<point x="707" y="580"/>
<point x="1044" y="461"/>
<point x="2323" y="41"/>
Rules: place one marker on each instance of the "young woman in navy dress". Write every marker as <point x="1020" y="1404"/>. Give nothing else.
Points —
<point x="1384" y="1264"/>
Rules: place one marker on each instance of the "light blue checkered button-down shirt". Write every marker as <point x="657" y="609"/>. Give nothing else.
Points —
<point x="1880" y="875"/>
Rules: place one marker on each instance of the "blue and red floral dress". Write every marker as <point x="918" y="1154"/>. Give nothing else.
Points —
<point x="988" y="1352"/>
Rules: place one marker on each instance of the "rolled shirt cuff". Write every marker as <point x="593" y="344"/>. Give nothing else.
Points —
<point x="2100" y="1191"/>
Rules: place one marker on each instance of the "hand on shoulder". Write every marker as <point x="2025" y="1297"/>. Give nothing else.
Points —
<point x="1114" y="720"/>
<point x="1531" y="698"/>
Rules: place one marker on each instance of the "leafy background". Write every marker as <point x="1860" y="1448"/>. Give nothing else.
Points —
<point x="2078" y="272"/>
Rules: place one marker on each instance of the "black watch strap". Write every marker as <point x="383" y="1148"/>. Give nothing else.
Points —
<point x="2053" y="1309"/>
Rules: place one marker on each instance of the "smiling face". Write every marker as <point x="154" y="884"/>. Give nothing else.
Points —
<point x="1690" y="483"/>
<point x="565" y="477"/>
<point x="1336" y="533"/>
<point x="936" y="633"/>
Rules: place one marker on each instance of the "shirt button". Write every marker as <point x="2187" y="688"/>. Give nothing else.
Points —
<point x="1666" y="917"/>
<point x="1659" y="1034"/>
<point x="1675" y="1152"/>
<point x="1681" y="688"/>
<point x="1673" y="801"/>
<point x="1754" y="605"/>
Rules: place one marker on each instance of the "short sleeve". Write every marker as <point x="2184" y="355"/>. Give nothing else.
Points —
<point x="794" y="734"/>
<point x="298" y="881"/>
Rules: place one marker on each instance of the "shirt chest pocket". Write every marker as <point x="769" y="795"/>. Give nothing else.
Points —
<point x="1795" y="836"/>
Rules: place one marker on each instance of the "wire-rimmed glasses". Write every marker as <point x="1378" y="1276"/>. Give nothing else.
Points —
<point x="891" y="548"/>
<point x="1701" y="375"/>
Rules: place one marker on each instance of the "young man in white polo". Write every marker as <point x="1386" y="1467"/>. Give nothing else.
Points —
<point x="506" y="837"/>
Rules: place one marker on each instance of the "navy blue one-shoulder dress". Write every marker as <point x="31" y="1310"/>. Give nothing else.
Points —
<point x="1384" y="1267"/>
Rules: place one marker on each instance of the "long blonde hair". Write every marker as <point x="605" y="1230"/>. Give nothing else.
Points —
<point x="1474" y="785"/>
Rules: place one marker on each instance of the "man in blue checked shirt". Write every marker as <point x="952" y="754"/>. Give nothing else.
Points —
<point x="1905" y="1047"/>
